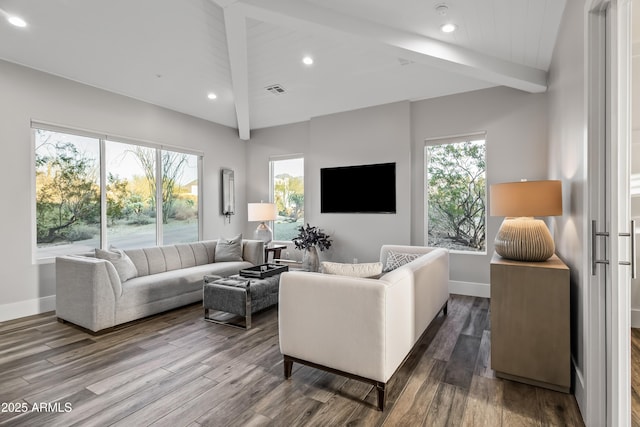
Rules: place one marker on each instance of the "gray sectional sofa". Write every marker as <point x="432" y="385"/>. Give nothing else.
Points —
<point x="93" y="294"/>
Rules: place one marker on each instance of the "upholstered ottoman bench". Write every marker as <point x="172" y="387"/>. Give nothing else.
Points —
<point x="235" y="296"/>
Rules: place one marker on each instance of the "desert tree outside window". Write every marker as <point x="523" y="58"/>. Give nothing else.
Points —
<point x="456" y="193"/>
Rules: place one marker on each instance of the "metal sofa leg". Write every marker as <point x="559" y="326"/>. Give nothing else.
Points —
<point x="288" y="366"/>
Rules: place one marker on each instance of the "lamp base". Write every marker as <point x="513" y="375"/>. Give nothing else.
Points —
<point x="524" y="239"/>
<point x="264" y="233"/>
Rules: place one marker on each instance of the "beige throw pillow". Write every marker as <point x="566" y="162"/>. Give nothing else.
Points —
<point x="371" y="269"/>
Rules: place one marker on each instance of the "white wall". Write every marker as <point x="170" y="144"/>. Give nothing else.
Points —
<point x="567" y="162"/>
<point x="515" y="123"/>
<point x="516" y="126"/>
<point x="27" y="94"/>
<point x="264" y="145"/>
<point x="371" y="135"/>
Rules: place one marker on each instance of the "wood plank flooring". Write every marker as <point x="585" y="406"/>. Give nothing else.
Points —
<point x="175" y="369"/>
<point x="635" y="377"/>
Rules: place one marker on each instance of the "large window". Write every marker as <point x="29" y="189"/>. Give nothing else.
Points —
<point x="287" y="187"/>
<point x="133" y="195"/>
<point x="179" y="197"/>
<point x="67" y="192"/>
<point x="455" y="194"/>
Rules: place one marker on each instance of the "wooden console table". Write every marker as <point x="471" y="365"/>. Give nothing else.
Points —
<point x="530" y="329"/>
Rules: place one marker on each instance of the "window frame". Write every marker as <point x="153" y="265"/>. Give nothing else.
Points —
<point x="453" y="139"/>
<point x="272" y="197"/>
<point x="103" y="138"/>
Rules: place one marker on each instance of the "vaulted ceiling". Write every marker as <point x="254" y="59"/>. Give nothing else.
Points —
<point x="173" y="53"/>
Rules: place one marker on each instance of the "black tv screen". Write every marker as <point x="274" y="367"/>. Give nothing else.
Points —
<point x="358" y="189"/>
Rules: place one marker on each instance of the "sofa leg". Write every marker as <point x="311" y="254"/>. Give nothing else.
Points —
<point x="444" y="309"/>
<point x="380" y="389"/>
<point x="288" y="366"/>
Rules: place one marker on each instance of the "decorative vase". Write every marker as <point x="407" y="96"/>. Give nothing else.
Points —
<point x="310" y="261"/>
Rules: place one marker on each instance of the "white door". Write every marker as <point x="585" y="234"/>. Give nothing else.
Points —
<point x="611" y="238"/>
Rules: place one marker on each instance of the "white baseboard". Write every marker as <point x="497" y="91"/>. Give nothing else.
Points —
<point x="635" y="318"/>
<point x="25" y="308"/>
<point x="470" y="288"/>
<point x="579" y="389"/>
<point x="40" y="305"/>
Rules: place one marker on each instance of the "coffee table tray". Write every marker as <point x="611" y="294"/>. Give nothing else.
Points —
<point x="263" y="270"/>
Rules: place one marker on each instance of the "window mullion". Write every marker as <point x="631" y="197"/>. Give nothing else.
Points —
<point x="159" y="179"/>
<point x="200" y="204"/>
<point x="103" y="195"/>
<point x="425" y="204"/>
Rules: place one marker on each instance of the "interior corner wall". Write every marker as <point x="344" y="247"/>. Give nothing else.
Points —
<point x="515" y="123"/>
<point x="568" y="163"/>
<point x="27" y="287"/>
<point x="264" y="145"/>
<point x="370" y="135"/>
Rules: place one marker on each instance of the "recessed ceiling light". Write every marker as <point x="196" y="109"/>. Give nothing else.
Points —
<point x="307" y="60"/>
<point x="448" y="28"/>
<point x="212" y="95"/>
<point x="17" y="21"/>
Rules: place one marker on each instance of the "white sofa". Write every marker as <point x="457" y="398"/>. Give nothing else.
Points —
<point x="361" y="327"/>
<point x="90" y="294"/>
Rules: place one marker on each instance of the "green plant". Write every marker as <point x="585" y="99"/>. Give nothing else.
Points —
<point x="311" y="236"/>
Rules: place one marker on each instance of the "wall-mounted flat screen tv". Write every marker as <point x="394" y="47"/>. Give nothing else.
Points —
<point x="358" y="189"/>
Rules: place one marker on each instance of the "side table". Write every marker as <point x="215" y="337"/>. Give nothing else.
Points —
<point x="276" y="250"/>
<point x="530" y="325"/>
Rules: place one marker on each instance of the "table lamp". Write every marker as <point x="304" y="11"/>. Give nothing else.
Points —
<point x="262" y="212"/>
<point x="522" y="237"/>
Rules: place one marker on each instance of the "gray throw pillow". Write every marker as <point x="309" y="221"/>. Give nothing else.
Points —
<point x="124" y="266"/>
<point x="398" y="259"/>
<point x="229" y="249"/>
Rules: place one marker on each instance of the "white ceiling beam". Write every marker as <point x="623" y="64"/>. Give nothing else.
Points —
<point x="308" y="17"/>
<point x="236" y="28"/>
<point x="224" y="3"/>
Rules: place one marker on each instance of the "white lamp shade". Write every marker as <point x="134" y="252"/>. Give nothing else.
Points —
<point x="262" y="212"/>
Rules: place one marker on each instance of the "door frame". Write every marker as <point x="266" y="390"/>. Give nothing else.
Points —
<point x="621" y="214"/>
<point x="606" y="373"/>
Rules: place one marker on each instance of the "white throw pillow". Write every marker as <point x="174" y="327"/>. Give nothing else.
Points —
<point x="124" y="266"/>
<point x="398" y="259"/>
<point x="229" y="249"/>
<point x="354" y="270"/>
